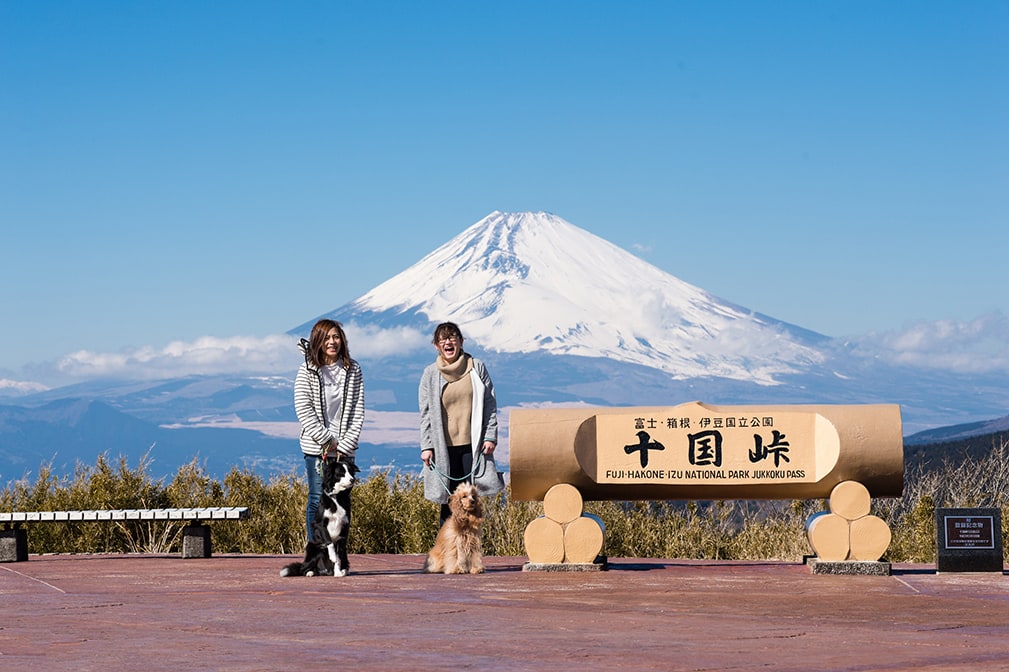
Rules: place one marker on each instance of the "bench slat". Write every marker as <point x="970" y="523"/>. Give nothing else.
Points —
<point x="189" y="514"/>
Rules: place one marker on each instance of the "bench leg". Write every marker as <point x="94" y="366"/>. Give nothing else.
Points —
<point x="196" y="540"/>
<point x="14" y="545"/>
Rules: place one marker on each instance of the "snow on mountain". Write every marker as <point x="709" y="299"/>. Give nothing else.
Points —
<point x="563" y="316"/>
<point x="532" y="282"/>
<point x="560" y="316"/>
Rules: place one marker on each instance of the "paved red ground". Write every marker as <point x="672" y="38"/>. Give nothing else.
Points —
<point x="230" y="612"/>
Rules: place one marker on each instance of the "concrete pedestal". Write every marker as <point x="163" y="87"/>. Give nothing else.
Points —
<point x="851" y="567"/>
<point x="196" y="541"/>
<point x="564" y="567"/>
<point x="13" y="545"/>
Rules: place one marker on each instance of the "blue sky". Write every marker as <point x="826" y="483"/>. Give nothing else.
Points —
<point x="186" y="173"/>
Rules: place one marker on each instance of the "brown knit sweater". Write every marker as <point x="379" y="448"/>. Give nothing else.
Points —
<point x="457" y="399"/>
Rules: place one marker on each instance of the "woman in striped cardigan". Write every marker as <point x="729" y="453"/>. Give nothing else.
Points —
<point x="329" y="402"/>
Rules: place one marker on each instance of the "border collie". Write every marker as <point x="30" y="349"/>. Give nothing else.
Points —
<point x="326" y="551"/>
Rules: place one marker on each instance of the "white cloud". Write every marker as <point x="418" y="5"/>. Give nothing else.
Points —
<point x="204" y="356"/>
<point x="19" y="387"/>
<point x="371" y="342"/>
<point x="210" y="355"/>
<point x="978" y="346"/>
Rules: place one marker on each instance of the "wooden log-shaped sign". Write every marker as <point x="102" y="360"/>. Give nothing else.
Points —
<point x="869" y="537"/>
<point x="701" y="451"/>
<point x="828" y="536"/>
<point x="583" y="539"/>
<point x="850" y="500"/>
<point x="544" y="541"/>
<point x="562" y="503"/>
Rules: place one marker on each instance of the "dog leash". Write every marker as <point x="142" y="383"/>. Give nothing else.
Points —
<point x="324" y="456"/>
<point x="446" y="478"/>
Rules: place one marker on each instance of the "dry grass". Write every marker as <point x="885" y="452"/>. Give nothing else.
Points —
<point x="392" y="516"/>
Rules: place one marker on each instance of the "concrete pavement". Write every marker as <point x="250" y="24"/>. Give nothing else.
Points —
<point x="234" y="612"/>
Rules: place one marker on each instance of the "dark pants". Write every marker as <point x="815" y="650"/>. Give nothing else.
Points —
<point x="460" y="464"/>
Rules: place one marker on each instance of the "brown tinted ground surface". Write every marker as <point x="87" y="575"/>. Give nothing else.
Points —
<point x="147" y="612"/>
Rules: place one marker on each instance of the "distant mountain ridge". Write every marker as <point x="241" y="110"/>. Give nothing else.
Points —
<point x="959" y="432"/>
<point x="64" y="432"/>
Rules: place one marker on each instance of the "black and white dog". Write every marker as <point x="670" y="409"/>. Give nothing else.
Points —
<point x="326" y="551"/>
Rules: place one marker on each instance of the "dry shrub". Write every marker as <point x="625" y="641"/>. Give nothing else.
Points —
<point x="276" y="522"/>
<point x="391" y="515"/>
<point x="505" y="523"/>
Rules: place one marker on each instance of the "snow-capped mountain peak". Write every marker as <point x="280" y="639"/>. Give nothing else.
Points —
<point x="533" y="282"/>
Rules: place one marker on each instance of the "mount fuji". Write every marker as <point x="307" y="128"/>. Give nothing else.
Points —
<point x="533" y="283"/>
<point x="562" y="315"/>
<point x="559" y="315"/>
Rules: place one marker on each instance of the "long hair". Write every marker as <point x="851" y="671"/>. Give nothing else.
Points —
<point x="317" y="343"/>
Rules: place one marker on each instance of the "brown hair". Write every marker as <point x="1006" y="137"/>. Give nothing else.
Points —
<point x="317" y="342"/>
<point x="446" y="330"/>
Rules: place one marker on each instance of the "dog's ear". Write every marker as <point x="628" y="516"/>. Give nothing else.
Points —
<point x="455" y="502"/>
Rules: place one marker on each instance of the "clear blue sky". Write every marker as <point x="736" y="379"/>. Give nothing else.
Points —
<point x="170" y="171"/>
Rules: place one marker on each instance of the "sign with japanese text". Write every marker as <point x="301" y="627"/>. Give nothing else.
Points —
<point x="695" y="445"/>
<point x="970" y="531"/>
<point x="969" y="539"/>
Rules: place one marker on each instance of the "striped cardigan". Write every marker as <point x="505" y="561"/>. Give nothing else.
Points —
<point x="310" y="407"/>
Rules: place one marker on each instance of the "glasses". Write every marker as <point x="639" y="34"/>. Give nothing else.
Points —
<point x="449" y="339"/>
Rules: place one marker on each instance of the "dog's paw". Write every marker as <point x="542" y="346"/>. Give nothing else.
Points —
<point x="476" y="570"/>
<point x="309" y="573"/>
<point x="340" y="573"/>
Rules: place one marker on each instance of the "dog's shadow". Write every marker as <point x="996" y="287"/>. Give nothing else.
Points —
<point x="499" y="569"/>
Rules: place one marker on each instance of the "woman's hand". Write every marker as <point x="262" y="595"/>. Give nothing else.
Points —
<point x="488" y="448"/>
<point x="427" y="455"/>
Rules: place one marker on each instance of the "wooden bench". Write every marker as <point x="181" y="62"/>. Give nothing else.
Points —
<point x="195" y="536"/>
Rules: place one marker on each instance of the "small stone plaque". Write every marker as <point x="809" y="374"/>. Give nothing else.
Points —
<point x="969" y="540"/>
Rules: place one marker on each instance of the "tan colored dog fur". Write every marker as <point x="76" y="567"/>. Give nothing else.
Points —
<point x="458" y="550"/>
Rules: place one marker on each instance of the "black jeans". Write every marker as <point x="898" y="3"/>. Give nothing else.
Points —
<point x="460" y="464"/>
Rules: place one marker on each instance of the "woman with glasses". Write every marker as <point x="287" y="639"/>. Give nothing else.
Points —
<point x="458" y="421"/>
